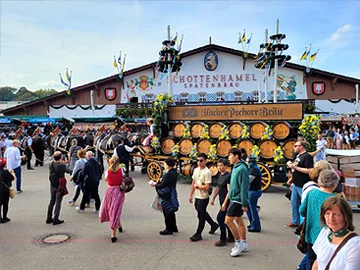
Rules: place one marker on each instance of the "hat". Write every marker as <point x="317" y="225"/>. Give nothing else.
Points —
<point x="2" y="162"/>
<point x="170" y="162"/>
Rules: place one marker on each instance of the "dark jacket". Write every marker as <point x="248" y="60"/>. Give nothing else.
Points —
<point x="92" y="172"/>
<point x="169" y="180"/>
<point x="57" y="170"/>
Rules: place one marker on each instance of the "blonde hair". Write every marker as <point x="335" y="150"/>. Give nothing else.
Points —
<point x="81" y="153"/>
<point x="114" y="164"/>
<point x="14" y="142"/>
<point x="74" y="142"/>
<point x="318" y="168"/>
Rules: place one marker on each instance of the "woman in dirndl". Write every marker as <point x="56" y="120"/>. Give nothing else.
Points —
<point x="113" y="201"/>
<point x="151" y="134"/>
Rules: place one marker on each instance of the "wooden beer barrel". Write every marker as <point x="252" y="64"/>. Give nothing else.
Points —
<point x="203" y="146"/>
<point x="213" y="169"/>
<point x="223" y="147"/>
<point x="215" y="130"/>
<point x="188" y="169"/>
<point x="282" y="130"/>
<point x="288" y="148"/>
<point x="196" y="130"/>
<point x="235" y="130"/>
<point x="247" y="145"/>
<point x="185" y="146"/>
<point x="229" y="168"/>
<point x="179" y="129"/>
<point x="257" y="130"/>
<point x="267" y="148"/>
<point x="167" y="145"/>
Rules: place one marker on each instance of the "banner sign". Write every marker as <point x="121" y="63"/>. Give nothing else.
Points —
<point x="42" y="120"/>
<point x="5" y="121"/>
<point x="229" y="112"/>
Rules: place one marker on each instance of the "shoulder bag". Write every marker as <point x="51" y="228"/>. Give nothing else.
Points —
<point x="11" y="190"/>
<point x="343" y="243"/>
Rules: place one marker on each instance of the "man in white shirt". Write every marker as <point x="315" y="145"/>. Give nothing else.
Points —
<point x="321" y="145"/>
<point x="122" y="152"/>
<point x="200" y="188"/>
<point x="13" y="161"/>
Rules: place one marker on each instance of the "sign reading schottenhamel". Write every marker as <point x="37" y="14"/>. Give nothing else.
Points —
<point x="280" y="111"/>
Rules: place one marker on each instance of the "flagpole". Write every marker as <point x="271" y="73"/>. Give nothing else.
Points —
<point x="92" y="102"/>
<point x="266" y="74"/>
<point x="357" y="98"/>
<point x="170" y="90"/>
<point x="276" y="63"/>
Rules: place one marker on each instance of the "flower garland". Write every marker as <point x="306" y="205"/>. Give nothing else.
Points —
<point x="187" y="133"/>
<point x="310" y="128"/>
<point x="193" y="153"/>
<point x="175" y="150"/>
<point x="224" y="135"/>
<point x="205" y="133"/>
<point x="255" y="151"/>
<point x="245" y="133"/>
<point x="279" y="155"/>
<point x="212" y="153"/>
<point x="161" y="103"/>
<point x="155" y="143"/>
<point x="268" y="133"/>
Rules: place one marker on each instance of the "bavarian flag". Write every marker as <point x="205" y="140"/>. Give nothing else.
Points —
<point x="313" y="56"/>
<point x="303" y="57"/>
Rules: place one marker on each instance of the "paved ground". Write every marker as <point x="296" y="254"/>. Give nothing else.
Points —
<point x="139" y="246"/>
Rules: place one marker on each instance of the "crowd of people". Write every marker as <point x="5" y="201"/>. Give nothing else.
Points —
<point x="342" y="138"/>
<point x="319" y="209"/>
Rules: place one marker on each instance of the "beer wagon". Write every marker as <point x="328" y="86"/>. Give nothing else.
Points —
<point x="204" y="128"/>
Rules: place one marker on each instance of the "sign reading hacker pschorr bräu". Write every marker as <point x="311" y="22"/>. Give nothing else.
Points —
<point x="225" y="112"/>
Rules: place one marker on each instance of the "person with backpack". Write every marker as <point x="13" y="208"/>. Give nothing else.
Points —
<point x="123" y="153"/>
<point x="57" y="170"/>
<point x="77" y="177"/>
<point x="92" y="176"/>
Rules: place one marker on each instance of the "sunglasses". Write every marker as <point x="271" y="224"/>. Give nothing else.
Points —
<point x="296" y="145"/>
<point x="200" y="160"/>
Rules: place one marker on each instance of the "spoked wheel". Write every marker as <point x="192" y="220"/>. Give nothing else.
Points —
<point x="154" y="171"/>
<point x="266" y="176"/>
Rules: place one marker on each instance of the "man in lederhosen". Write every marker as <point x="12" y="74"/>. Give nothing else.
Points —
<point x="27" y="144"/>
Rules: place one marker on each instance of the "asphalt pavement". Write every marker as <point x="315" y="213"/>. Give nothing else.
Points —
<point x="140" y="246"/>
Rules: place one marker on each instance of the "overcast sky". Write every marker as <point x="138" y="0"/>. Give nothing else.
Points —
<point x="40" y="39"/>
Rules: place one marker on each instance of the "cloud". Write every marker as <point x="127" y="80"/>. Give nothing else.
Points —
<point x="342" y="33"/>
<point x="48" y="84"/>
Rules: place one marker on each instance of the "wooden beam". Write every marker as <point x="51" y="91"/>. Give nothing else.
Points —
<point x="97" y="90"/>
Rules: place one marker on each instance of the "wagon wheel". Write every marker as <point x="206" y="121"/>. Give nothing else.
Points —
<point x="266" y="176"/>
<point x="154" y="171"/>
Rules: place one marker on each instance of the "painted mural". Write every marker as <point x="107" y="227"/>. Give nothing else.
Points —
<point x="228" y="78"/>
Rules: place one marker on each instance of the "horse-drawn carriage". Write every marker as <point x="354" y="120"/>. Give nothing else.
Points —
<point x="215" y="129"/>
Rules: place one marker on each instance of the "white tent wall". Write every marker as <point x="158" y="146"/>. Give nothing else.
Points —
<point x="81" y="111"/>
<point x="341" y="107"/>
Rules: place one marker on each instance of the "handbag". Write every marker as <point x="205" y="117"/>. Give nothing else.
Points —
<point x="11" y="193"/>
<point x="301" y="244"/>
<point x="164" y="193"/>
<point x="127" y="185"/>
<point x="347" y="238"/>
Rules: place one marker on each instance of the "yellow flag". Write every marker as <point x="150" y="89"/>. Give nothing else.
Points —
<point x="115" y="64"/>
<point x="303" y="56"/>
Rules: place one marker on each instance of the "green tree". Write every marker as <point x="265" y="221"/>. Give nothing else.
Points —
<point x="45" y="92"/>
<point x="24" y="94"/>
<point x="7" y="93"/>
